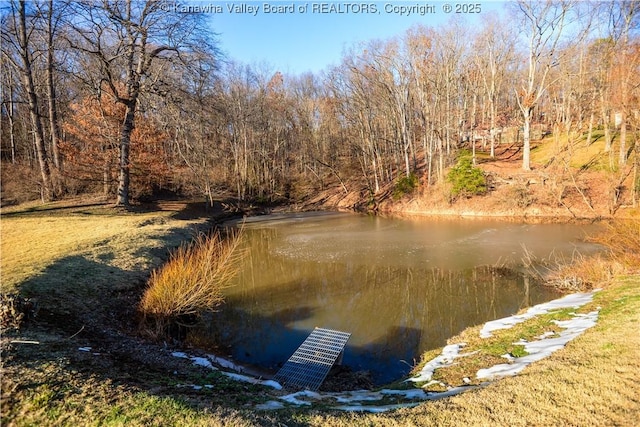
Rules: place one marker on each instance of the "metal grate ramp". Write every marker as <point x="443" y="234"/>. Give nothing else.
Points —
<point x="309" y="365"/>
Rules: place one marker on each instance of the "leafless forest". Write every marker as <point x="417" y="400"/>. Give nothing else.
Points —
<point x="128" y="98"/>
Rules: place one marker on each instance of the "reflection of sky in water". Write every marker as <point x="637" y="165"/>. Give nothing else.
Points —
<point x="400" y="287"/>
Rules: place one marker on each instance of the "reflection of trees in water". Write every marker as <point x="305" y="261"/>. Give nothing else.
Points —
<point x="392" y="313"/>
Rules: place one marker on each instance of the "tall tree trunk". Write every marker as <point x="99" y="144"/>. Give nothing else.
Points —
<point x="51" y="92"/>
<point x="125" y="143"/>
<point x="605" y="122"/>
<point x="106" y="177"/>
<point x="590" y="130"/>
<point x="623" y="142"/>
<point x="34" y="112"/>
<point x="526" y="136"/>
<point x="12" y="125"/>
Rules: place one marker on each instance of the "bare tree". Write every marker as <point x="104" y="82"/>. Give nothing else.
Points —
<point x="53" y="19"/>
<point x="129" y="41"/>
<point x="19" y="36"/>
<point x="624" y="16"/>
<point x="493" y="54"/>
<point x="544" y="23"/>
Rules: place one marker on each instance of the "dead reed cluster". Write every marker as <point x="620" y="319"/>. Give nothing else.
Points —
<point x="190" y="282"/>
<point x="622" y="256"/>
<point x="584" y="273"/>
<point x="622" y="239"/>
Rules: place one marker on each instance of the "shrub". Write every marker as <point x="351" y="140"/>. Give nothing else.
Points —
<point x="189" y="283"/>
<point x="405" y="185"/>
<point x="466" y="179"/>
<point x="14" y="309"/>
<point x="521" y="196"/>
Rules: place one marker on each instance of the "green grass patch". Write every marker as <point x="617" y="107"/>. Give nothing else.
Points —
<point x="486" y="352"/>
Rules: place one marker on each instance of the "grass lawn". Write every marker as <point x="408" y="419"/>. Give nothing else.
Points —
<point x="87" y="267"/>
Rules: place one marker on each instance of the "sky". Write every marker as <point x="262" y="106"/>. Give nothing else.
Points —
<point x="310" y="36"/>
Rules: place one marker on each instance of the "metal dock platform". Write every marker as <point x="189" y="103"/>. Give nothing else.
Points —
<point x="309" y="365"/>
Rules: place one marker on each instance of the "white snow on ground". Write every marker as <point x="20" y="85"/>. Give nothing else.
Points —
<point x="569" y="301"/>
<point x="270" y="405"/>
<point x="293" y="398"/>
<point x="224" y="363"/>
<point x="252" y="380"/>
<point x="546" y="344"/>
<point x="446" y="358"/>
<point x="542" y="348"/>
<point x="201" y="361"/>
<point x="375" y="409"/>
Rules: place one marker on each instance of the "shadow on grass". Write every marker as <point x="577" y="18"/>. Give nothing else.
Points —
<point x="54" y="207"/>
<point x="86" y="332"/>
<point x="91" y="283"/>
<point x="182" y="209"/>
<point x="75" y="291"/>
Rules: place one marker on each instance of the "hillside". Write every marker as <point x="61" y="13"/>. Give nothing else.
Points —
<point x="568" y="181"/>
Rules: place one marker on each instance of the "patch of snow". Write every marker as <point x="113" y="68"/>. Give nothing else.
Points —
<point x="416" y="394"/>
<point x="547" y="334"/>
<point x="201" y="361"/>
<point x="247" y="379"/>
<point x="446" y="358"/>
<point x="180" y="354"/>
<point x="356" y="396"/>
<point x="542" y="348"/>
<point x="509" y="357"/>
<point x="224" y="363"/>
<point x="451" y="392"/>
<point x="293" y="398"/>
<point x="570" y="301"/>
<point x="372" y="396"/>
<point x="195" y="386"/>
<point x="270" y="405"/>
<point x="375" y="409"/>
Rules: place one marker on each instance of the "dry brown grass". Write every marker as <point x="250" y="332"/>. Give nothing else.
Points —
<point x="191" y="281"/>
<point x="584" y="273"/>
<point x="622" y="238"/>
<point x="580" y="273"/>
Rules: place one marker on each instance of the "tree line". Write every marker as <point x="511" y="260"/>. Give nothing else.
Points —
<point x="129" y="97"/>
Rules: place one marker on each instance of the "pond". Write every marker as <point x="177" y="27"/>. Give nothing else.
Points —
<point x="399" y="286"/>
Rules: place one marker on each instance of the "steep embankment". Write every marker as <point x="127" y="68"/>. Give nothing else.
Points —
<point x="567" y="183"/>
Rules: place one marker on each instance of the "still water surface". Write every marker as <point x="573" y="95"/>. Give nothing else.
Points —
<point x="399" y="286"/>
